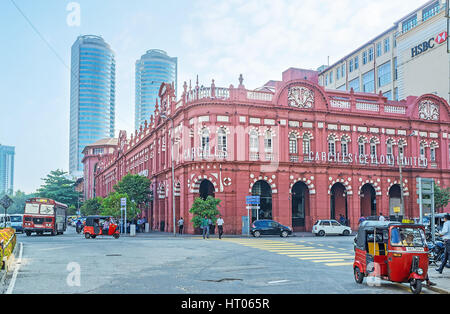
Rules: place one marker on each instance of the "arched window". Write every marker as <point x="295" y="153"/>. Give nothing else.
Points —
<point x="433" y="148"/>
<point x="268" y="142"/>
<point x="306" y="145"/>
<point x="344" y="146"/>
<point x="361" y="147"/>
<point x="254" y="141"/>
<point x="401" y="148"/>
<point x="423" y="150"/>
<point x="293" y="146"/>
<point x="205" y="141"/>
<point x="389" y="148"/>
<point x="332" y="145"/>
<point x="373" y="148"/>
<point x="222" y="140"/>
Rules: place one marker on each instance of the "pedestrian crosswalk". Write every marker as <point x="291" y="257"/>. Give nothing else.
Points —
<point x="304" y="251"/>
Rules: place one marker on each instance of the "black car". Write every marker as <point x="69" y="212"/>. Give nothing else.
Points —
<point x="269" y="227"/>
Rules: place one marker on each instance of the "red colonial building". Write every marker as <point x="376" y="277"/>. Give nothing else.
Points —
<point x="310" y="153"/>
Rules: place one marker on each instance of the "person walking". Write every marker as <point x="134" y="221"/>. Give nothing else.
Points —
<point x="220" y="223"/>
<point x="180" y="225"/>
<point x="382" y="217"/>
<point x="205" y="226"/>
<point x="445" y="234"/>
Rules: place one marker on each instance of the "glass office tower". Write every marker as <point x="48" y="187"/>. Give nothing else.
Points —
<point x="153" y="69"/>
<point x="6" y="170"/>
<point x="92" y="96"/>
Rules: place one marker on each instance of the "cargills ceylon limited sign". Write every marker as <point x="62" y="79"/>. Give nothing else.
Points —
<point x="429" y="44"/>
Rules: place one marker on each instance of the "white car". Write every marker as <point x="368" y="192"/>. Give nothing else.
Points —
<point x="330" y="227"/>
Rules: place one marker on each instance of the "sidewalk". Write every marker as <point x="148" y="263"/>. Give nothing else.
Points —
<point x="442" y="281"/>
<point x="159" y="234"/>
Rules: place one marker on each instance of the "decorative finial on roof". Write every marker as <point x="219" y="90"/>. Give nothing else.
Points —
<point x="241" y="79"/>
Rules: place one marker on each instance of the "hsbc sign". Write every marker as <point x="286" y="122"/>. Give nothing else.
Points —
<point x="429" y="44"/>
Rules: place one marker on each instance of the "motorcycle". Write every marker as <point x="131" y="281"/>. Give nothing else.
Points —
<point x="79" y="228"/>
<point x="436" y="252"/>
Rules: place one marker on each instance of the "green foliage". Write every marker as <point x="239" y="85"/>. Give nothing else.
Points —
<point x="136" y="187"/>
<point x="59" y="187"/>
<point x="91" y="207"/>
<point x="207" y="207"/>
<point x="18" y="204"/>
<point x="111" y="206"/>
<point x="441" y="197"/>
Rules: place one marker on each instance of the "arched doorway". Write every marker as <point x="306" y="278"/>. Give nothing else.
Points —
<point x="395" y="199"/>
<point x="300" y="206"/>
<point x="263" y="190"/>
<point x="207" y="189"/>
<point x="338" y="201"/>
<point x="368" y="201"/>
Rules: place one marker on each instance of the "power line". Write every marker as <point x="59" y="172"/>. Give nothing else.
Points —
<point x="53" y="50"/>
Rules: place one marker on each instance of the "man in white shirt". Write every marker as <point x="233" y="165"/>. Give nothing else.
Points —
<point x="382" y="217"/>
<point x="220" y="223"/>
<point x="445" y="234"/>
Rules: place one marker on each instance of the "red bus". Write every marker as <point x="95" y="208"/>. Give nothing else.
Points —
<point x="44" y="215"/>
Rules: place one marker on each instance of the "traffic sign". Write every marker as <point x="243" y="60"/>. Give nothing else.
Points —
<point x="6" y="202"/>
<point x="253" y="200"/>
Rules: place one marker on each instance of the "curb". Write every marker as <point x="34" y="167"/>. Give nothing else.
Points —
<point x="8" y="264"/>
<point x="438" y="290"/>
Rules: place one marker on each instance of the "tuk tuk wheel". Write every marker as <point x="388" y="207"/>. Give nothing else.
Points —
<point x="87" y="235"/>
<point x="416" y="286"/>
<point x="28" y="233"/>
<point x="116" y="236"/>
<point x="359" y="276"/>
<point x="93" y="237"/>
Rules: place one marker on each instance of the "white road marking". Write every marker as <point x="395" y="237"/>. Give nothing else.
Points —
<point x="16" y="271"/>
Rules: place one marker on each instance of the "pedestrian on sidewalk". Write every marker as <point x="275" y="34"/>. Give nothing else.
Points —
<point x="220" y="223"/>
<point x="382" y="217"/>
<point x="445" y="234"/>
<point x="180" y="225"/>
<point x="205" y="227"/>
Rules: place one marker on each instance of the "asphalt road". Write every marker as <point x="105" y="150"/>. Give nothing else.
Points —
<point x="70" y="264"/>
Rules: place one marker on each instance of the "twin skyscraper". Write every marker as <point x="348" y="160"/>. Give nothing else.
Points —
<point x="93" y="87"/>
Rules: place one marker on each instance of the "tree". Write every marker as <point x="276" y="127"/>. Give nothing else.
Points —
<point x="201" y="208"/>
<point x="57" y="186"/>
<point x="441" y="197"/>
<point x="136" y="187"/>
<point x="91" y="207"/>
<point x="18" y="205"/>
<point x="111" y="206"/>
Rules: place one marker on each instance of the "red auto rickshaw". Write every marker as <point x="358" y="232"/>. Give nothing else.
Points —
<point x="391" y="251"/>
<point x="94" y="227"/>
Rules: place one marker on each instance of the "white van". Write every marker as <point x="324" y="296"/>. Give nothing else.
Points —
<point x="17" y="222"/>
<point x="5" y="223"/>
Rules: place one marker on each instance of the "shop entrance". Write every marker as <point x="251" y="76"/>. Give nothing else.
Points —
<point x="264" y="191"/>
<point x="368" y="201"/>
<point x="338" y="202"/>
<point x="300" y="206"/>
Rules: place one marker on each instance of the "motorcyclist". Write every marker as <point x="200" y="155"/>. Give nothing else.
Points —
<point x="79" y="226"/>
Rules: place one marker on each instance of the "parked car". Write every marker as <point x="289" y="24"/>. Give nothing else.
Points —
<point x="269" y="227"/>
<point x="330" y="227"/>
<point x="5" y="221"/>
<point x="17" y="222"/>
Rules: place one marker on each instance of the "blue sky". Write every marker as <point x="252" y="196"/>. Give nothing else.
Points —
<point x="216" y="39"/>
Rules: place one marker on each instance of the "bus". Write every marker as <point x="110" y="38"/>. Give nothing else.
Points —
<point x="44" y="215"/>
